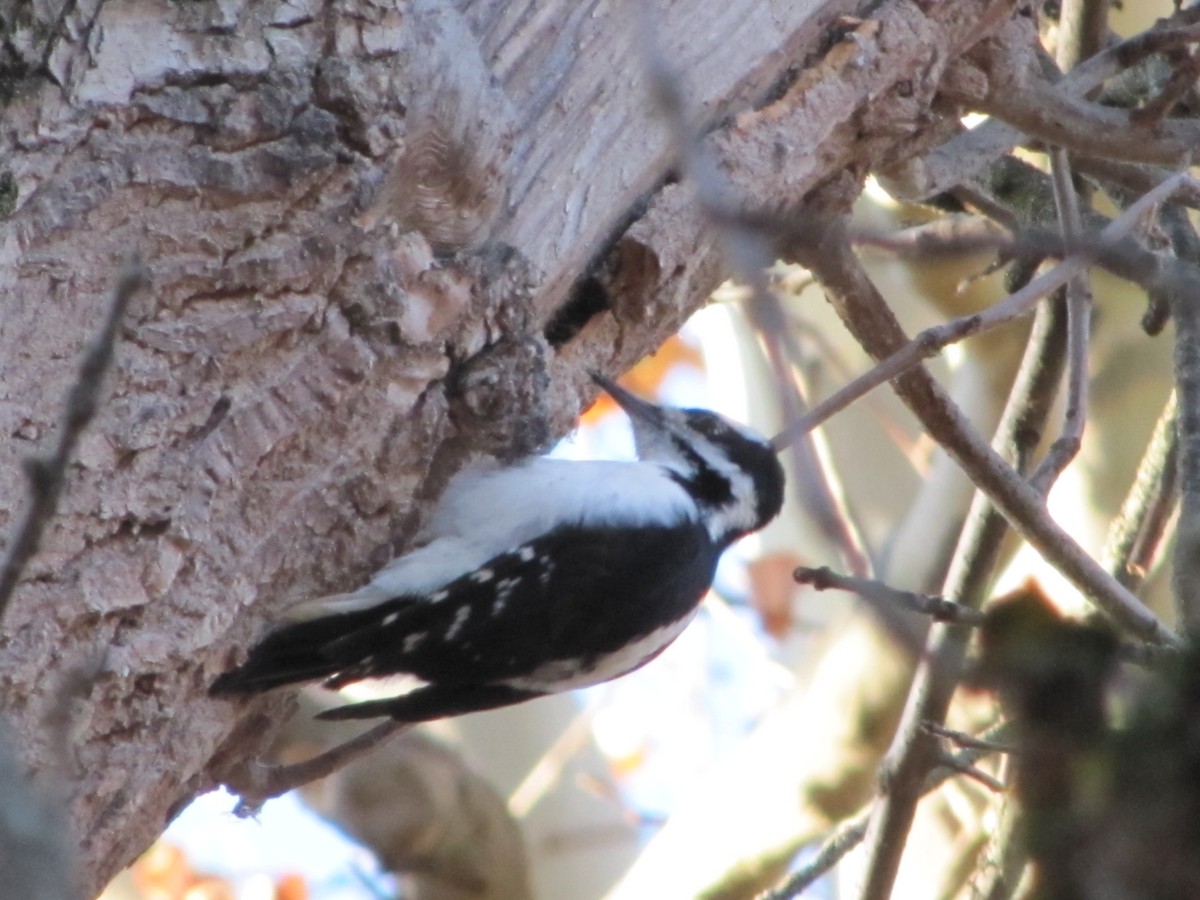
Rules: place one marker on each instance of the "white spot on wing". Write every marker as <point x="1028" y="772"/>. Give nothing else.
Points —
<point x="504" y="591"/>
<point x="483" y="576"/>
<point x="527" y="554"/>
<point x="390" y="619"/>
<point x="460" y="618"/>
<point x="415" y="640"/>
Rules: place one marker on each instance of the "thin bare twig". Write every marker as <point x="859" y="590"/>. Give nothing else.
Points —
<point x="47" y="474"/>
<point x="1136" y="534"/>
<point x="1129" y="179"/>
<point x="933" y="340"/>
<point x="850" y="832"/>
<point x="817" y="485"/>
<point x="1124" y="182"/>
<point x="1126" y="258"/>
<point x="914" y="752"/>
<point x="868" y="316"/>
<point x="876" y="592"/>
<point x="951" y="235"/>
<point x="912" y="755"/>
<point x="257" y="783"/>
<point x="964" y="740"/>
<point x="838" y="368"/>
<point x="1010" y="853"/>
<point x="993" y="784"/>
<point x="1079" y="324"/>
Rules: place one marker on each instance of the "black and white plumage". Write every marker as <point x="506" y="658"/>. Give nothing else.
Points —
<point x="540" y="577"/>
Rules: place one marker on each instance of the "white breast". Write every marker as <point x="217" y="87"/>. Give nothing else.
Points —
<point x="566" y="675"/>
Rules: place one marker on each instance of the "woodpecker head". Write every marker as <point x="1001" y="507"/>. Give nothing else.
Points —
<point x="731" y="472"/>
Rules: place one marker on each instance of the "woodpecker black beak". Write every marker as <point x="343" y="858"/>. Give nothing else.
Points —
<point x="637" y="408"/>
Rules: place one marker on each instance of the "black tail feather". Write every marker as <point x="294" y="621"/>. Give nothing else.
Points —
<point x="292" y="654"/>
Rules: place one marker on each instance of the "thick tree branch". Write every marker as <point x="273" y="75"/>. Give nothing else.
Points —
<point x="360" y="224"/>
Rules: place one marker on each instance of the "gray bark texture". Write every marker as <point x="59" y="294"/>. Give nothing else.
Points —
<point x="382" y="239"/>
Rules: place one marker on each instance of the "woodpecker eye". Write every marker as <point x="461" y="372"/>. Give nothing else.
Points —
<point x="706" y="423"/>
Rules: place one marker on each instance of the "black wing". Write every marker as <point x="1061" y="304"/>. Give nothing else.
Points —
<point x="573" y="595"/>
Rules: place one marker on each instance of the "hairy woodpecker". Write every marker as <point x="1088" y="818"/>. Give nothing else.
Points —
<point x="540" y="577"/>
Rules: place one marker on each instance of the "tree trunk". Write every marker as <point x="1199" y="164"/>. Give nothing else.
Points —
<point x="382" y="239"/>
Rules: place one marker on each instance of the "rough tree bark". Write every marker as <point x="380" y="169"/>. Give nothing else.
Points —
<point x="383" y="238"/>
